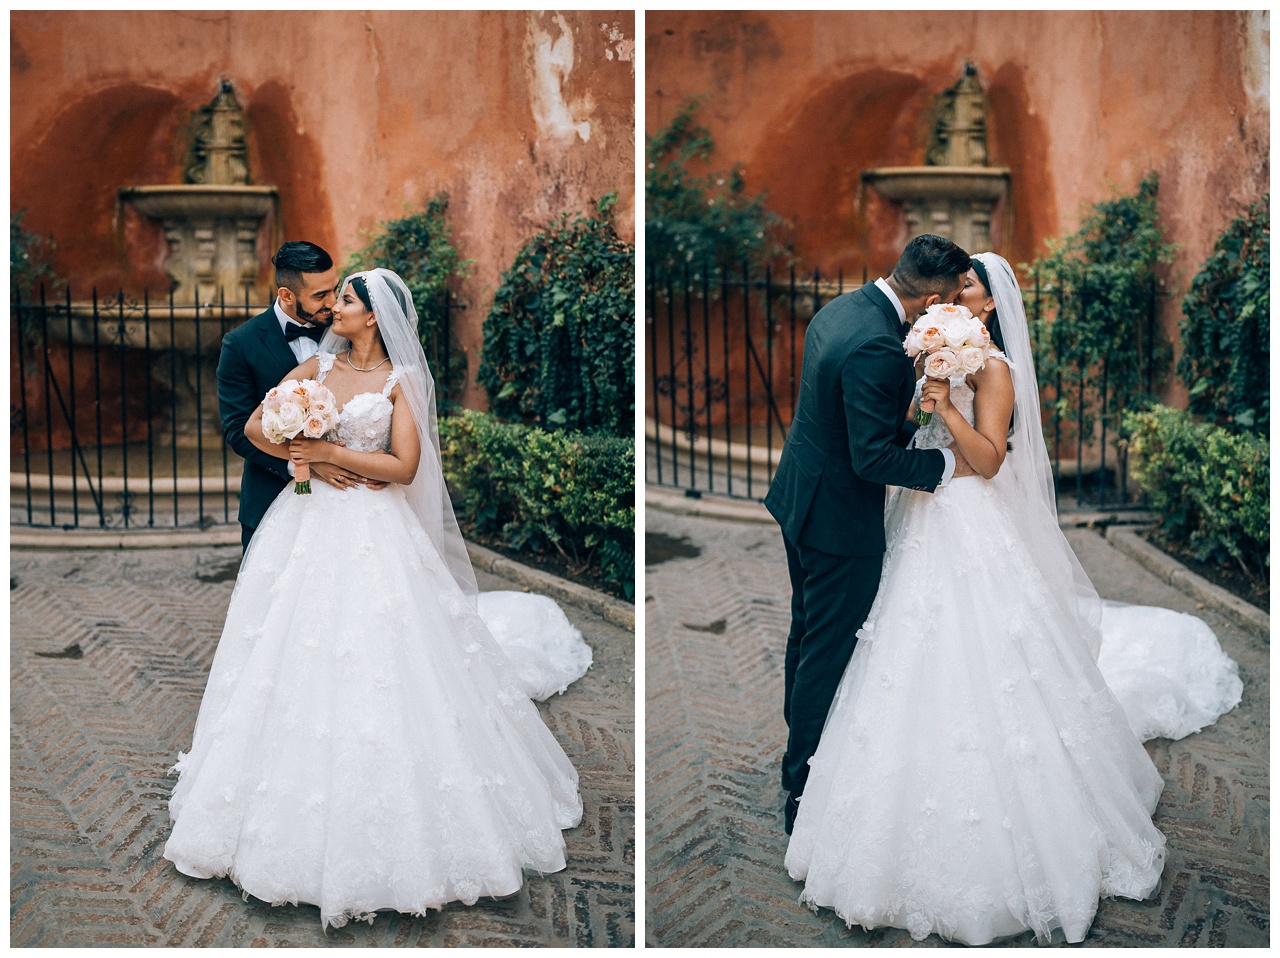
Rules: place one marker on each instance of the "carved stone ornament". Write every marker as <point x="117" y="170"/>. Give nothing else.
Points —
<point x="218" y="151"/>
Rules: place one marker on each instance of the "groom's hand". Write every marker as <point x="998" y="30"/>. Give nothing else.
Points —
<point x="335" y="476"/>
<point x="962" y="464"/>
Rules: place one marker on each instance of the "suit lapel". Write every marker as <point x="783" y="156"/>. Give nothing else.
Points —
<point x="273" y="342"/>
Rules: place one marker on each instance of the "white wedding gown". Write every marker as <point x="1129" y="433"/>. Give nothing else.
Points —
<point x="363" y="741"/>
<point x="978" y="775"/>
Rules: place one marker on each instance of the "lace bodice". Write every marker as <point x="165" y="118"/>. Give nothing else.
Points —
<point x="935" y="434"/>
<point x="365" y="421"/>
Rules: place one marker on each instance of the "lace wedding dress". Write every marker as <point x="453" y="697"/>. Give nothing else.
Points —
<point x="363" y="741"/>
<point x="978" y="774"/>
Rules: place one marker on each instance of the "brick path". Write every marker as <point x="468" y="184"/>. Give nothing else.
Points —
<point x="95" y="725"/>
<point x="716" y="626"/>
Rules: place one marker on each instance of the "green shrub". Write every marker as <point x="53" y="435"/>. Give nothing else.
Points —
<point x="419" y="247"/>
<point x="1227" y="324"/>
<point x="559" y="343"/>
<point x="29" y="261"/>
<point x="540" y="491"/>
<point x="1210" y="487"/>
<point x="1104" y="276"/>
<point x="704" y="220"/>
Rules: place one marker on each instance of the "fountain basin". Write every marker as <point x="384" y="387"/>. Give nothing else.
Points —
<point x="939" y="182"/>
<point x="952" y="201"/>
<point x="197" y="201"/>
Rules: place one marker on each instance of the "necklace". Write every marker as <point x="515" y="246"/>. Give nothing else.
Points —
<point x="363" y="369"/>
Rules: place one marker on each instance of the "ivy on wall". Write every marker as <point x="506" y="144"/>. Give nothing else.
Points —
<point x="559" y="342"/>
<point x="1104" y="279"/>
<point x="709" y="220"/>
<point x="29" y="260"/>
<point x="419" y="247"/>
<point x="1226" y="327"/>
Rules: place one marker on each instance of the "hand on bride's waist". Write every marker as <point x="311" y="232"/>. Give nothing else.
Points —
<point x="316" y="453"/>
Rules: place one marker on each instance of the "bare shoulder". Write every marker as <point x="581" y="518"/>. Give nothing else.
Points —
<point x="995" y="372"/>
<point x="307" y="369"/>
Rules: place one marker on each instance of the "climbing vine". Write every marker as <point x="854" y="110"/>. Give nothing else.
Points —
<point x="559" y="343"/>
<point x="1103" y="281"/>
<point x="1226" y="327"/>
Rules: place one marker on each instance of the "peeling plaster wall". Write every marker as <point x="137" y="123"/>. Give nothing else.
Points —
<point x="1077" y="102"/>
<point x="520" y="116"/>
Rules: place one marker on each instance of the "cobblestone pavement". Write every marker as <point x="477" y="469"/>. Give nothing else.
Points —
<point x="717" y="614"/>
<point x="109" y="655"/>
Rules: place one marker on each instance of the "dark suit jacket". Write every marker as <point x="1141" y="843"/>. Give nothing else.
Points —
<point x="254" y="358"/>
<point x="847" y="438"/>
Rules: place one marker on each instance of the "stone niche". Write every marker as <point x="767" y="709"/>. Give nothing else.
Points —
<point x="212" y="220"/>
<point x="955" y="193"/>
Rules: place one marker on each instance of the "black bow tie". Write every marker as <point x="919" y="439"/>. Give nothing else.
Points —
<point x="293" y="331"/>
<point x="903" y="328"/>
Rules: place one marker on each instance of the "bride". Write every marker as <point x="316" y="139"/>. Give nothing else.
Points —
<point x="363" y="742"/>
<point x="981" y="771"/>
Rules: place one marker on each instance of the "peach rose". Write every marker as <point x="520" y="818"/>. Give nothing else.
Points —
<point x="314" y="427"/>
<point x="948" y="312"/>
<point x="912" y="344"/>
<point x="981" y="335"/>
<point x="971" y="358"/>
<point x="942" y="364"/>
<point x="929" y="334"/>
<point x="273" y="399"/>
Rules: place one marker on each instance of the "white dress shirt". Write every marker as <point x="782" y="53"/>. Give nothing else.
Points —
<point x="949" y="469"/>
<point x="303" y="347"/>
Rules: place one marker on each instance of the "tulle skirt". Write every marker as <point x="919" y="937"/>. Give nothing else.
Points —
<point x="363" y="743"/>
<point x="977" y="777"/>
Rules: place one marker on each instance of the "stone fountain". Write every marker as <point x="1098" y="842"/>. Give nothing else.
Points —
<point x="212" y="223"/>
<point x="212" y="220"/>
<point x="955" y="193"/>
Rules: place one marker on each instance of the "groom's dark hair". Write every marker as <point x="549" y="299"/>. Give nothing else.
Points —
<point x="294" y="259"/>
<point x="930" y="264"/>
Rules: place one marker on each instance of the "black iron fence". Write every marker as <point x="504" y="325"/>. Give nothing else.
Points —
<point x="724" y="351"/>
<point x="113" y="411"/>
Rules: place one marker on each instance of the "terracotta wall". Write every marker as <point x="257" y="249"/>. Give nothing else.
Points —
<point x="519" y="116"/>
<point x="1078" y="101"/>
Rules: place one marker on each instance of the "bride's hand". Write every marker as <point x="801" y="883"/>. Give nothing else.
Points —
<point x="309" y="450"/>
<point x="935" y="396"/>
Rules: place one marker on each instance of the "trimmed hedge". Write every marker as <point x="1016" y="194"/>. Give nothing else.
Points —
<point x="1210" y="487"/>
<point x="541" y="491"/>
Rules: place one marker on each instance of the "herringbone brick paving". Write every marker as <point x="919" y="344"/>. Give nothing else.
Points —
<point x="716" y="627"/>
<point x="109" y="655"/>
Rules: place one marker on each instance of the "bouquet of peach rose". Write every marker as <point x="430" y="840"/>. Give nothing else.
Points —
<point x="951" y="340"/>
<point x="294" y="409"/>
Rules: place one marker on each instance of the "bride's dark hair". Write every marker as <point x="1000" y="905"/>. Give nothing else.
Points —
<point x="362" y="290"/>
<point x="993" y="321"/>
<point x="358" y="284"/>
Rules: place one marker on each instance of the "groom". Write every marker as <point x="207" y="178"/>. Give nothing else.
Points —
<point x="846" y="443"/>
<point x="259" y="354"/>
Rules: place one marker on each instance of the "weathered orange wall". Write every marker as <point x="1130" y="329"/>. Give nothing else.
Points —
<point x="1077" y="102"/>
<point x="520" y="116"/>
